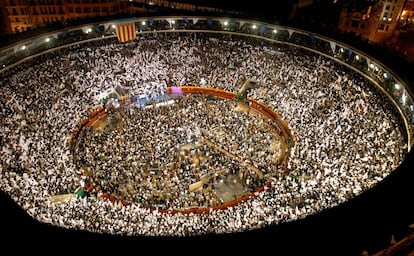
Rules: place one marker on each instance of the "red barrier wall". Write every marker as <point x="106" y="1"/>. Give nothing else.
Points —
<point x="258" y="106"/>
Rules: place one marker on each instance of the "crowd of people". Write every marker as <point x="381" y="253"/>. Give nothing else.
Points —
<point x="348" y="136"/>
<point x="153" y="155"/>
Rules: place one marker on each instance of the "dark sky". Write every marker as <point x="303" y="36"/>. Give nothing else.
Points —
<point x="270" y="6"/>
<point x="323" y="10"/>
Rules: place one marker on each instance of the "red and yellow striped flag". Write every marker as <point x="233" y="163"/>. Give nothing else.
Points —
<point x="126" y="32"/>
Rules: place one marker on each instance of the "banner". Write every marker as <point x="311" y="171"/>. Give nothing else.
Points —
<point x="368" y="62"/>
<point x="126" y="32"/>
<point x="97" y="28"/>
<point x="262" y="29"/>
<point x="79" y="193"/>
<point x="290" y="32"/>
<point x="64" y="33"/>
<point x="176" y="90"/>
<point x="311" y="37"/>
<point x="333" y="46"/>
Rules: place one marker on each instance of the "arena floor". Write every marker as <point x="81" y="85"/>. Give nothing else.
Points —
<point x="225" y="187"/>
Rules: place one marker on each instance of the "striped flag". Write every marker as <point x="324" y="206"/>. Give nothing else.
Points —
<point x="126" y="32"/>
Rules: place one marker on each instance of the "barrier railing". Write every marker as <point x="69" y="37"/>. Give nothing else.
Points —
<point x="282" y="125"/>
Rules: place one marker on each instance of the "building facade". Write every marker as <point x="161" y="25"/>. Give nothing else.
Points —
<point x="377" y="21"/>
<point x="28" y="14"/>
<point x="4" y="20"/>
<point x="22" y="15"/>
<point x="407" y="16"/>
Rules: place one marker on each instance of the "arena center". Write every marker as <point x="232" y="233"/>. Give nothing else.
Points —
<point x="188" y="126"/>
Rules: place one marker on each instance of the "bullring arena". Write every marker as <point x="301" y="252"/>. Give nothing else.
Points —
<point x="150" y="137"/>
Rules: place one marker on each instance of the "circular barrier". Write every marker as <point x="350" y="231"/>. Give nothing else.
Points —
<point x="279" y="126"/>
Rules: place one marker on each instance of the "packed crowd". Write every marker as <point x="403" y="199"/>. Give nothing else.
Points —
<point x="153" y="155"/>
<point x="347" y="135"/>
